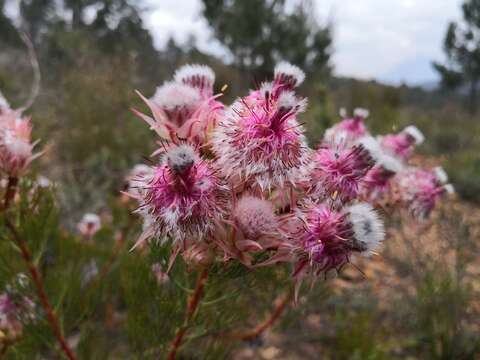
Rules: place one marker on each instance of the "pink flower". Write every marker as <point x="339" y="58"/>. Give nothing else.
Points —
<point x="15" y="142"/>
<point x="178" y="101"/>
<point x="161" y="277"/>
<point x="198" y="254"/>
<point x="14" y="312"/>
<point x="185" y="109"/>
<point x="339" y="172"/>
<point x="183" y="197"/>
<point x="376" y="184"/>
<point x="420" y="190"/>
<point x="327" y="238"/>
<point x="403" y="143"/>
<point x="347" y="131"/>
<point x="320" y="239"/>
<point x="323" y="243"/>
<point x="258" y="228"/>
<point x="262" y="145"/>
<point x="89" y="225"/>
<point x="255" y="217"/>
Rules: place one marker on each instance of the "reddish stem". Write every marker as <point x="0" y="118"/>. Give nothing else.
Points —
<point x="39" y="286"/>
<point x="191" y="308"/>
<point x="267" y="323"/>
<point x="10" y="192"/>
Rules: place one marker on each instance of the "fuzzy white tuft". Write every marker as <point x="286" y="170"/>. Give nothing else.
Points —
<point x="390" y="163"/>
<point x="255" y="217"/>
<point x="172" y="95"/>
<point x="367" y="227"/>
<point x="449" y="189"/>
<point x="140" y="169"/>
<point x="441" y="175"/>
<point x="343" y="113"/>
<point x="372" y="146"/>
<point x="286" y="69"/>
<point x="91" y="218"/>
<point x="186" y="73"/>
<point x="3" y="102"/>
<point x="361" y="112"/>
<point x="181" y="157"/>
<point x="43" y="181"/>
<point x="414" y="132"/>
<point x="265" y="87"/>
<point x="287" y="100"/>
<point x="378" y="154"/>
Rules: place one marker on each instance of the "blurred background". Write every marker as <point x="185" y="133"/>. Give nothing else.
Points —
<point x="407" y="61"/>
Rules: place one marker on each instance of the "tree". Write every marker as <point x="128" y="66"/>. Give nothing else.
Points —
<point x="462" y="49"/>
<point x="259" y="33"/>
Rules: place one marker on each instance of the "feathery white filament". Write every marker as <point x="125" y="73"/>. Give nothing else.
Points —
<point x="361" y="112"/>
<point x="286" y="69"/>
<point x="191" y="71"/>
<point x="172" y="95"/>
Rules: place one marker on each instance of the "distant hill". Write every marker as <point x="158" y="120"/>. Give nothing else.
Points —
<point x="417" y="71"/>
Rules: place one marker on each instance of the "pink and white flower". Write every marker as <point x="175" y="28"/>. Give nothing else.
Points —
<point x="262" y="145"/>
<point x="89" y="225"/>
<point x="338" y="172"/>
<point x="349" y="130"/>
<point x="185" y="109"/>
<point x="183" y="198"/>
<point x="161" y="277"/>
<point x="16" y="148"/>
<point x="402" y="144"/>
<point x="421" y="189"/>
<point x="324" y="239"/>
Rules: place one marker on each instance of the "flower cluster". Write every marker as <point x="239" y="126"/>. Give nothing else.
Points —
<point x="16" y="148"/>
<point x="236" y="181"/>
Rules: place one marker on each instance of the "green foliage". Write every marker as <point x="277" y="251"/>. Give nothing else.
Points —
<point x="463" y="53"/>
<point x="260" y="33"/>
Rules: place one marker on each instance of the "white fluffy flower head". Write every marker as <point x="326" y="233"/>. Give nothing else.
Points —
<point x="368" y="229"/>
<point x="172" y="95"/>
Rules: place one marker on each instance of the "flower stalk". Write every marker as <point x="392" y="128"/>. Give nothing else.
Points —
<point x="281" y="304"/>
<point x="10" y="191"/>
<point x="192" y="306"/>
<point x="40" y="288"/>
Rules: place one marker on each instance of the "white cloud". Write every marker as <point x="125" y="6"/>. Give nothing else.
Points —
<point x="372" y="38"/>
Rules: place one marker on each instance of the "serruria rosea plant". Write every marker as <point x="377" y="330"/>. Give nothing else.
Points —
<point x="239" y="183"/>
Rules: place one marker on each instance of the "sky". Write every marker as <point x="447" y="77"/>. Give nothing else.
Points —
<point x="386" y="40"/>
